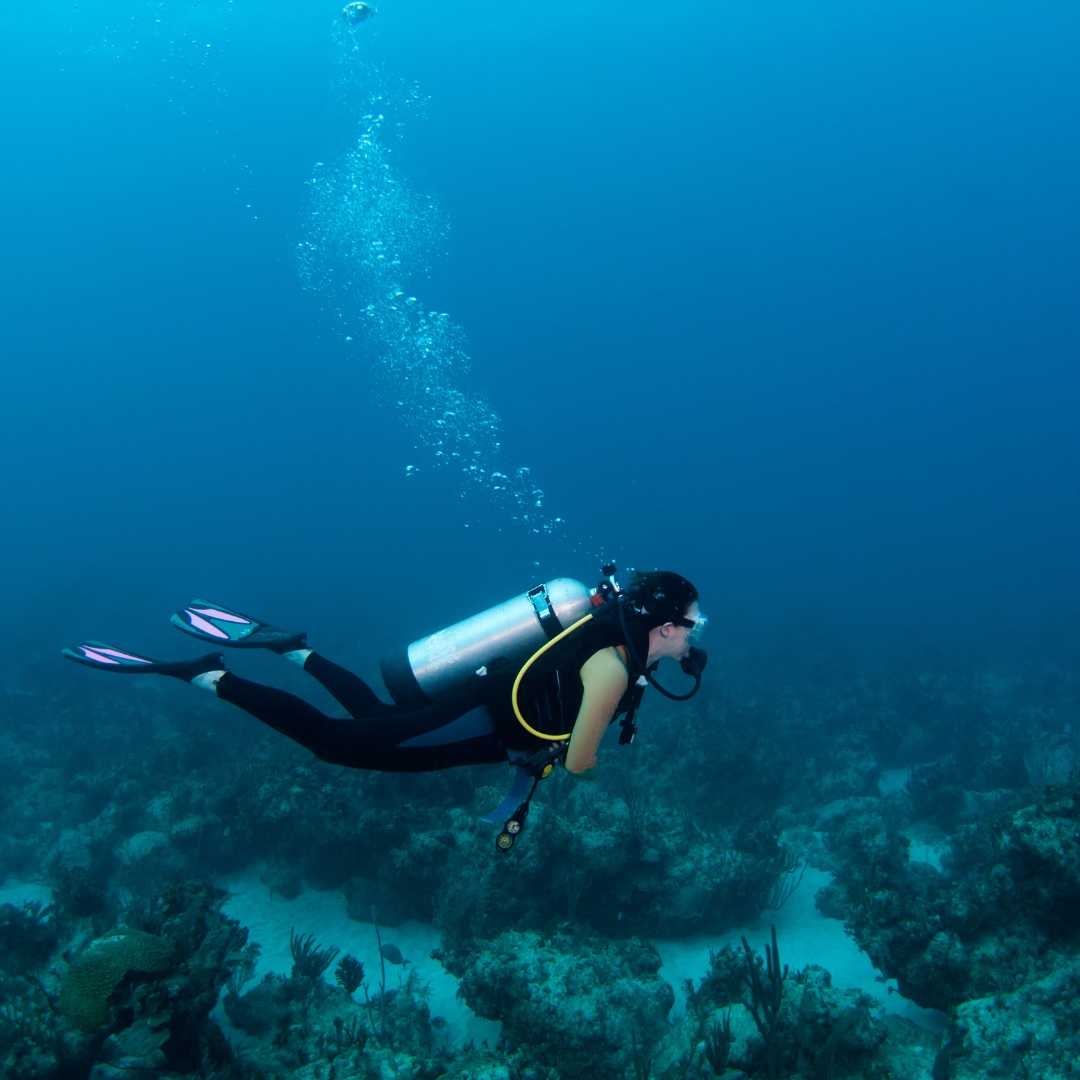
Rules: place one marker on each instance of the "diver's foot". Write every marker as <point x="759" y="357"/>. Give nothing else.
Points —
<point x="97" y="654"/>
<point x="223" y="626"/>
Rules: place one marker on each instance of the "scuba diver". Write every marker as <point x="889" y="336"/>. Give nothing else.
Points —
<point x="534" y="681"/>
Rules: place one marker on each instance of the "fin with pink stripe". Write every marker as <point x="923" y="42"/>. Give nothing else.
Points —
<point x="223" y="626"/>
<point x="105" y="657"/>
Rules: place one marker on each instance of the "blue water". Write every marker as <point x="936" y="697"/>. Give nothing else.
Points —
<point x="782" y="296"/>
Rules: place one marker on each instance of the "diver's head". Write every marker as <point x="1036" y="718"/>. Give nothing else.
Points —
<point x="666" y="605"/>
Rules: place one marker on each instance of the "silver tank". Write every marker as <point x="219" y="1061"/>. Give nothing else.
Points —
<point x="510" y="632"/>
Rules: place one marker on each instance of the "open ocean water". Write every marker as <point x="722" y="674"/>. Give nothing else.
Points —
<point x="369" y="318"/>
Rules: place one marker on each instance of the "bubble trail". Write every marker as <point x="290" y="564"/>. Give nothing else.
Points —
<point x="366" y="235"/>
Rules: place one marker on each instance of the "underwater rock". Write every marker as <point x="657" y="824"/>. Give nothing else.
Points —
<point x="282" y="879"/>
<point x="1008" y="893"/>
<point x="264" y="1008"/>
<point x="33" y="1044"/>
<point x="849" y="770"/>
<point x="77" y="892"/>
<point x="146" y="859"/>
<point x="195" y="831"/>
<point x="816" y="1028"/>
<point x="72" y="849"/>
<point x="209" y="946"/>
<point x="132" y="1053"/>
<point x="1044" y="841"/>
<point x="310" y="1030"/>
<point x="485" y="1064"/>
<point x="576" y="1003"/>
<point x="28" y="934"/>
<point x="1034" y="1031"/>
<point x="141" y="846"/>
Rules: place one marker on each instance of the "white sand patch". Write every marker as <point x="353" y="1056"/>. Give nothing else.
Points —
<point x="269" y="918"/>
<point x="892" y="781"/>
<point x="804" y="936"/>
<point x="927" y="845"/>
<point x="16" y="892"/>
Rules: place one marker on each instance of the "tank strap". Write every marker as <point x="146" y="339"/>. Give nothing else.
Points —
<point x="628" y="721"/>
<point x="545" y="613"/>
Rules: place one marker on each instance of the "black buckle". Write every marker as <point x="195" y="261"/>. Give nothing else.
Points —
<point x="545" y="613"/>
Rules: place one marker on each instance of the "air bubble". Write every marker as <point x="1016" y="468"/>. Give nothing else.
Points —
<point x="366" y="237"/>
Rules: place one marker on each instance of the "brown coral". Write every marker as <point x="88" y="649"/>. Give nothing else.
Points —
<point x="96" y="973"/>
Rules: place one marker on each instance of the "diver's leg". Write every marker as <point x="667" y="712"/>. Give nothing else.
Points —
<point x="210" y="621"/>
<point x="286" y="713"/>
<point x="348" y="690"/>
<point x="395" y="740"/>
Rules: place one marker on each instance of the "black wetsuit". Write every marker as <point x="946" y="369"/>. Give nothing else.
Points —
<point x="390" y="738"/>
<point x="476" y="727"/>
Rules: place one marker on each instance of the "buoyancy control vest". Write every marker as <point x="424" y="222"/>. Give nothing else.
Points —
<point x="550" y="692"/>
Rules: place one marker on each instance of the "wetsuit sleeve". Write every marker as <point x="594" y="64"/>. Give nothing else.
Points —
<point x="604" y="679"/>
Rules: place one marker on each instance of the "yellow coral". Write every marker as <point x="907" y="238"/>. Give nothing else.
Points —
<point x="95" y="974"/>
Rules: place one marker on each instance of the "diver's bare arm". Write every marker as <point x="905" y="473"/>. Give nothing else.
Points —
<point x="605" y="680"/>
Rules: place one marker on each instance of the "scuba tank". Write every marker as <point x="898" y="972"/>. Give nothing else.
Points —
<point x="446" y="661"/>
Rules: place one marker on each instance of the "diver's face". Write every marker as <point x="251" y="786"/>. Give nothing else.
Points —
<point x="672" y="641"/>
<point x="687" y="633"/>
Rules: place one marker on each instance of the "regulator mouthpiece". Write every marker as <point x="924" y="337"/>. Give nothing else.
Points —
<point x="693" y="663"/>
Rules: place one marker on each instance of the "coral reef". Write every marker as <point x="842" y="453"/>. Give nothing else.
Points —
<point x="943" y="800"/>
<point x="135" y="1000"/>
<point x="28" y="934"/>
<point x="756" y="1016"/>
<point x="578" y="1004"/>
<point x="1030" y="1034"/>
<point x="102" y="966"/>
<point x="303" y="1026"/>
<point x="986" y="923"/>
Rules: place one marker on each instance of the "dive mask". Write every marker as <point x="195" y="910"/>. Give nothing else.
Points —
<point x="695" y="626"/>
